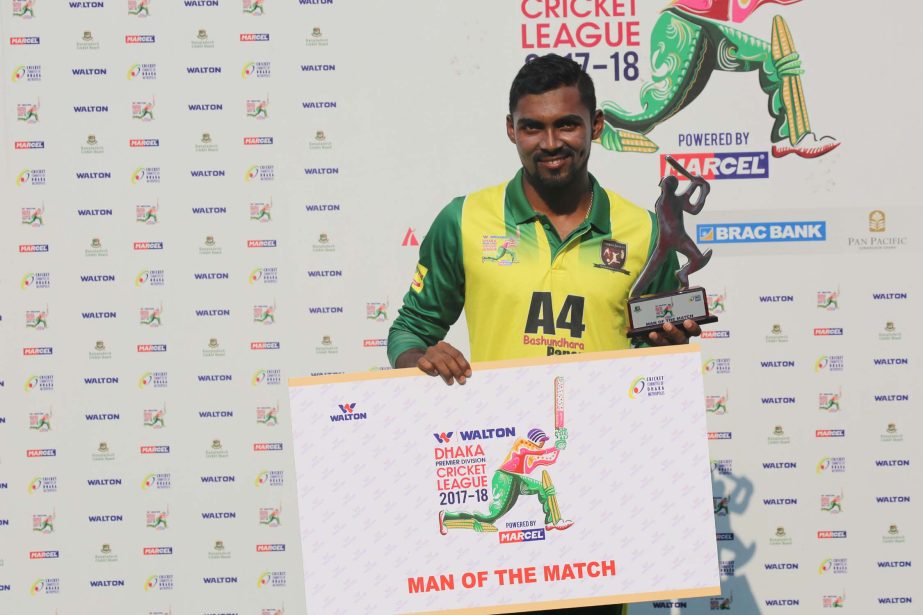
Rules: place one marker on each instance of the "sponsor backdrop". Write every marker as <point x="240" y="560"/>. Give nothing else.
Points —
<point x="203" y="198"/>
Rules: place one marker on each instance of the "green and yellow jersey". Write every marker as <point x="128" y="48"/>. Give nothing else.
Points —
<point x="527" y="292"/>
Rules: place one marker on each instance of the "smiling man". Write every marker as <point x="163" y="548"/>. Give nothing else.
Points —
<point x="543" y="264"/>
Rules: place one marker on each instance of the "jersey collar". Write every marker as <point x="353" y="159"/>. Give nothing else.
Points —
<point x="519" y="210"/>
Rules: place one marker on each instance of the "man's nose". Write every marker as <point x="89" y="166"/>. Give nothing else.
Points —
<point x="550" y="139"/>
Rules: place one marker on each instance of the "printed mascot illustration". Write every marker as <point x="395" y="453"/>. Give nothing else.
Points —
<point x="689" y="41"/>
<point x="512" y="479"/>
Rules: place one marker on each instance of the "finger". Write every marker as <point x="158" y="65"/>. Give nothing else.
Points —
<point x="674" y="334"/>
<point x="439" y="362"/>
<point x="459" y="358"/>
<point x="426" y="366"/>
<point x="692" y="328"/>
<point x="460" y="368"/>
<point x="656" y="339"/>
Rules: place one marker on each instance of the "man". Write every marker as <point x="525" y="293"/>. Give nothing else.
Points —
<point x="542" y="264"/>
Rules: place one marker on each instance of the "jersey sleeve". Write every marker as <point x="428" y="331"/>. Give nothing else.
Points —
<point x="437" y="292"/>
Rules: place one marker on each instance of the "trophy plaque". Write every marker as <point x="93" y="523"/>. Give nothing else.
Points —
<point x="651" y="312"/>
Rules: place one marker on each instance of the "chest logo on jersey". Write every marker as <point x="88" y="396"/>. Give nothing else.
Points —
<point x="613" y="256"/>
<point x="499" y="249"/>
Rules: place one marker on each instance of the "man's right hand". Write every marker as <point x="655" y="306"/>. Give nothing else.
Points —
<point x="443" y="359"/>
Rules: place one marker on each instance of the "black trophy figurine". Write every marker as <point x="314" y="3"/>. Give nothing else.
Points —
<point x="650" y="313"/>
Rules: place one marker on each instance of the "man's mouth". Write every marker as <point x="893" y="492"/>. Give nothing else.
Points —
<point x="553" y="162"/>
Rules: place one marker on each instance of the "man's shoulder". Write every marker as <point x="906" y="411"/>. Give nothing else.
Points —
<point x="617" y="200"/>
<point x="486" y="196"/>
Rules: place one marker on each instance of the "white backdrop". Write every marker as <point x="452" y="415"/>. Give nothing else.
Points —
<point x="158" y="352"/>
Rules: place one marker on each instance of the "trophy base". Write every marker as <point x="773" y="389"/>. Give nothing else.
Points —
<point x="651" y="313"/>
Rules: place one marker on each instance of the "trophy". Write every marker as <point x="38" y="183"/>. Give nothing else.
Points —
<point x="651" y="312"/>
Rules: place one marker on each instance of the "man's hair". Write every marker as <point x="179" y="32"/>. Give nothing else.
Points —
<point x="550" y="72"/>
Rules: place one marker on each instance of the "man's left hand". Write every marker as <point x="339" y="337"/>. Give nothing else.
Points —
<point x="672" y="334"/>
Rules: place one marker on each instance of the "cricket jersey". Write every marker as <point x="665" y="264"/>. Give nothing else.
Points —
<point x="526" y="291"/>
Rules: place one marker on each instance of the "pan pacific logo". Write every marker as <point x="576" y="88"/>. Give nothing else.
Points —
<point x="348" y="412"/>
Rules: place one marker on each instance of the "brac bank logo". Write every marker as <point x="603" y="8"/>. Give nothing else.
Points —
<point x="761" y="232"/>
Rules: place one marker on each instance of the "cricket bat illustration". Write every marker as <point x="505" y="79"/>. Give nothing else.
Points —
<point x="558" y="402"/>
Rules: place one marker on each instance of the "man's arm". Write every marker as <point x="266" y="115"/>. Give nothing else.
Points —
<point x="433" y="303"/>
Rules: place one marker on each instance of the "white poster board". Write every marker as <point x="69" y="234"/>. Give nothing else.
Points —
<point x="390" y="465"/>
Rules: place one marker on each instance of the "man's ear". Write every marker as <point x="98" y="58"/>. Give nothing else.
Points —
<point x="510" y="133"/>
<point x="598" y="123"/>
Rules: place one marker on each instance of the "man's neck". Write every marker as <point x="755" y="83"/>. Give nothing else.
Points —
<point x="558" y="201"/>
<point x="565" y="207"/>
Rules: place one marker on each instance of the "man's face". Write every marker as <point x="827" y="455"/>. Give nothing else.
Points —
<point x="553" y="132"/>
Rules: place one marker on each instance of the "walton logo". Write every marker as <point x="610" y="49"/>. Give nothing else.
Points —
<point x="348" y="413"/>
<point x="442" y="438"/>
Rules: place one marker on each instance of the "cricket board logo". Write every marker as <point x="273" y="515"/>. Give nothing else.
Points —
<point x="646" y="386"/>
<point x="461" y="474"/>
<point x="499" y="249"/>
<point x="613" y="255"/>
